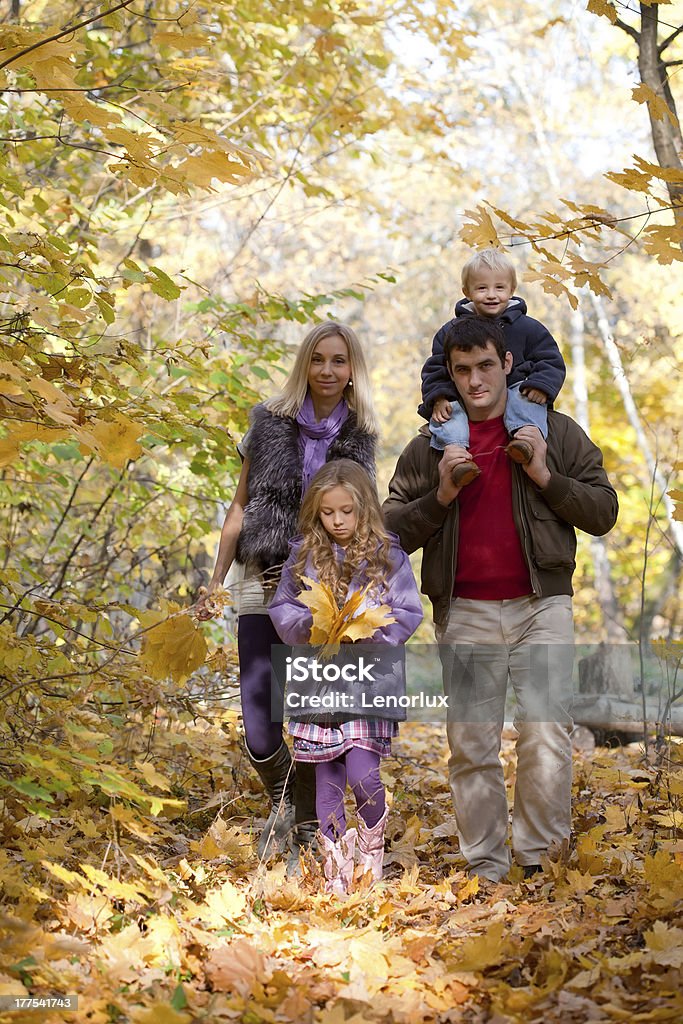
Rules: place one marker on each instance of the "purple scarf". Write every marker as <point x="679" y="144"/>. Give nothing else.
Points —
<point x="316" y="436"/>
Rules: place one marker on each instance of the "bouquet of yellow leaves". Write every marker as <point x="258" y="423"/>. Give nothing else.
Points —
<point x="217" y="601"/>
<point x="332" y="625"/>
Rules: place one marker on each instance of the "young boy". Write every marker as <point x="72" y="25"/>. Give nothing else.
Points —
<point x="538" y="369"/>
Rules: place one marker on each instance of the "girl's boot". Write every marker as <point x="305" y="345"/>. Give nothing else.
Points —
<point x="371" y="846"/>
<point x="338" y="861"/>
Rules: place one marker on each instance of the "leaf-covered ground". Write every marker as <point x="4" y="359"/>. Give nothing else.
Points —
<point x="173" y="920"/>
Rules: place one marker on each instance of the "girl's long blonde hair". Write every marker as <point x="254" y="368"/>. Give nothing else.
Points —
<point x="370" y="543"/>
<point x="358" y="395"/>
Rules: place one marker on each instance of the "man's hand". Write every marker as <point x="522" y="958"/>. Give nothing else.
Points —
<point x="537" y="469"/>
<point x="454" y="455"/>
<point x="534" y="395"/>
<point x="442" y="410"/>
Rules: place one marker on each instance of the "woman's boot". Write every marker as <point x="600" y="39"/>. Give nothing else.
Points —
<point x="371" y="846"/>
<point x="305" y="816"/>
<point x="338" y="861"/>
<point x="277" y="775"/>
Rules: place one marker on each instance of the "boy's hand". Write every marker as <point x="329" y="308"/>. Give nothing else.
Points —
<point x="534" y="395"/>
<point x="442" y="410"/>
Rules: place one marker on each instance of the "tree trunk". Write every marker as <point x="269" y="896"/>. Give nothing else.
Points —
<point x="666" y="133"/>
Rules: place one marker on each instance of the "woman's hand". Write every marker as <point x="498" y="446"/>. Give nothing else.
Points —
<point x="210" y="602"/>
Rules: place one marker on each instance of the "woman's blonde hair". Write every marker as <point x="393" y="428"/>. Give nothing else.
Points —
<point x="492" y="259"/>
<point x="358" y="396"/>
<point x="368" y="549"/>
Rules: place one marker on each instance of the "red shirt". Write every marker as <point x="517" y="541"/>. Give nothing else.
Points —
<point x="490" y="564"/>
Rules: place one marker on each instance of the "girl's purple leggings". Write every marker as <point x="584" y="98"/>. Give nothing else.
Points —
<point x="360" y="768"/>
<point x="255" y="634"/>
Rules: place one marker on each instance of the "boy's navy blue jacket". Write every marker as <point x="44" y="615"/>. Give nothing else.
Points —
<point x="536" y="358"/>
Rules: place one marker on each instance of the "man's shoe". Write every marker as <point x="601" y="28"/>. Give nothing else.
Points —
<point x="532" y="869"/>
<point x="465" y="473"/>
<point x="519" y="451"/>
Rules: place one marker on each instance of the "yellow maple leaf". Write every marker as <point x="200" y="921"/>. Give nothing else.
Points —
<point x="181" y="40"/>
<point x="666" y="943"/>
<point x="202" y="169"/>
<point x="81" y="109"/>
<point x="550" y="283"/>
<point x="224" y="904"/>
<point x="114" y="440"/>
<point x="663" y="242"/>
<point x="670" y="818"/>
<point x="656" y="105"/>
<point x="152" y="777"/>
<point x="482" y="951"/>
<point x="603" y="9"/>
<point x="677" y="497"/>
<point x="174" y="647"/>
<point x="160" y="1012"/>
<point x="370" y="956"/>
<point x="332" y="624"/>
<point x="481" y="233"/>
<point x="10" y="446"/>
<point x="236" y="967"/>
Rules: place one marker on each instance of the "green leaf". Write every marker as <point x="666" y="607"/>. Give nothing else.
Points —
<point x="259" y="371"/>
<point x="179" y="999"/>
<point x="28" y="788"/>
<point x="162" y="285"/>
<point x="108" y="314"/>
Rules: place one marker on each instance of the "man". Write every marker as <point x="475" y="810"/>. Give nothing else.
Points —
<point x="498" y="558"/>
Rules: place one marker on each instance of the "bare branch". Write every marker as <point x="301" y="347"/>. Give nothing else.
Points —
<point x="628" y="29"/>
<point x="669" y="40"/>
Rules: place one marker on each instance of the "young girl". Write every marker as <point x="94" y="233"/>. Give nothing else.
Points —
<point x="343" y="544"/>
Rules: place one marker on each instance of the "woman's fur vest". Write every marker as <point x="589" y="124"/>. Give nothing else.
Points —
<point x="274" y="482"/>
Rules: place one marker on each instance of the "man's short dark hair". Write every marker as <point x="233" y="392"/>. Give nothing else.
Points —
<point x="468" y="332"/>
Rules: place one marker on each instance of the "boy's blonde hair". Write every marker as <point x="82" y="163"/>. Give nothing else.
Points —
<point x="367" y="555"/>
<point x="493" y="259"/>
<point x="358" y="396"/>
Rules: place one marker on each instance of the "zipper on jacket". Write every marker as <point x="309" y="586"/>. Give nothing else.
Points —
<point x="454" y="547"/>
<point x="519" y="506"/>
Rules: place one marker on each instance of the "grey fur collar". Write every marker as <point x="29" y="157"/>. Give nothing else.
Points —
<point x="274" y="482"/>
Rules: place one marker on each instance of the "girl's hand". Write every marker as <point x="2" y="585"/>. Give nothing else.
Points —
<point x="442" y="410"/>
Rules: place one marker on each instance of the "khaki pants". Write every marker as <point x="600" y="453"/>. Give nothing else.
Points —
<point x="529" y="641"/>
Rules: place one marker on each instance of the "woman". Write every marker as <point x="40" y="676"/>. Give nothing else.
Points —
<point x="324" y="412"/>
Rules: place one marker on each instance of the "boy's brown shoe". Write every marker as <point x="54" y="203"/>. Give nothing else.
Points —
<point x="465" y="473"/>
<point x="519" y="451"/>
